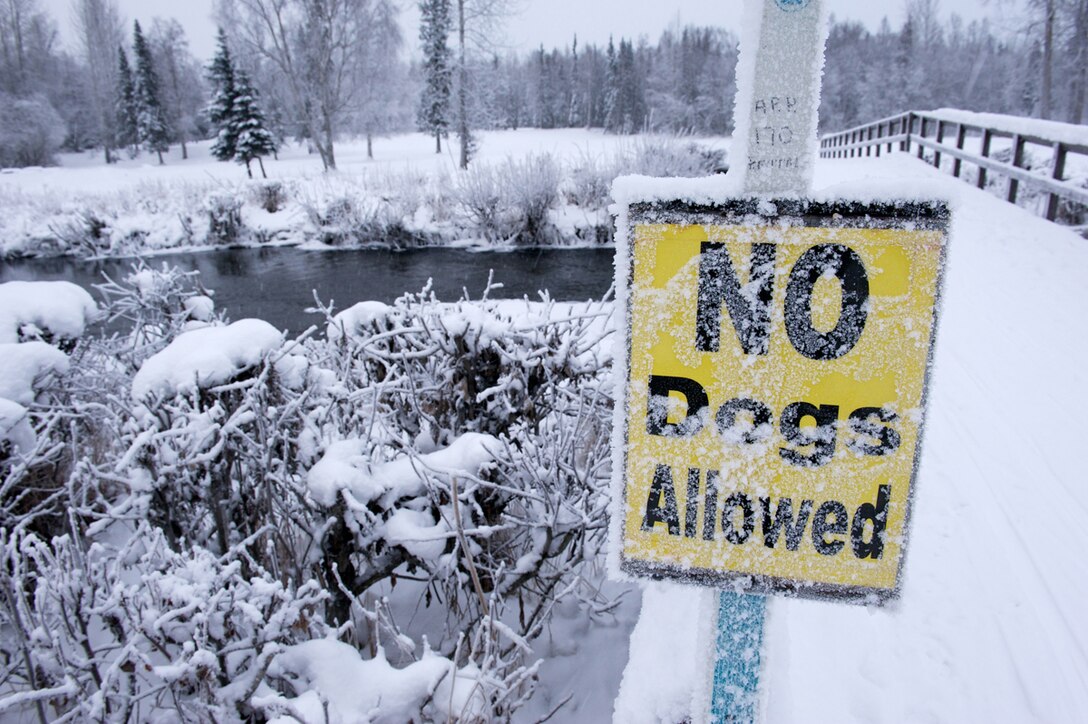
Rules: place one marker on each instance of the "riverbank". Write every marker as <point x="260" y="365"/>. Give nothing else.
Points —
<point x="527" y="188"/>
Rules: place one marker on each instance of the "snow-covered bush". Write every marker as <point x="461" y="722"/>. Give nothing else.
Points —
<point x="269" y="195"/>
<point x="668" y="157"/>
<point x="510" y="202"/>
<point x="224" y="211"/>
<point x="102" y="633"/>
<point x="31" y="131"/>
<point x="206" y="517"/>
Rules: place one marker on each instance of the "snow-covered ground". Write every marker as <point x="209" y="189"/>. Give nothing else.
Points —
<point x="85" y="173"/>
<point x="988" y="628"/>
<point x="406" y="195"/>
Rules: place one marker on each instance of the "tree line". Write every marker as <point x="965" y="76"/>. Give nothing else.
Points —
<point x="319" y="70"/>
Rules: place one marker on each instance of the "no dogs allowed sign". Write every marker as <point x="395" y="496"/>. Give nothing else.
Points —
<point x="776" y="365"/>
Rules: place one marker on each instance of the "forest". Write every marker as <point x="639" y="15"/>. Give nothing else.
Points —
<point x="333" y="69"/>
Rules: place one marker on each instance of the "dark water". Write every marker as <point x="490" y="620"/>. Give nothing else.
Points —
<point x="278" y="284"/>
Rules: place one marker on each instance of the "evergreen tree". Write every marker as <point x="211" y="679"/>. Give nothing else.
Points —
<point x="434" y="30"/>
<point x="150" y="120"/>
<point x="127" y="129"/>
<point x="613" y="118"/>
<point x="221" y="110"/>
<point x="247" y="126"/>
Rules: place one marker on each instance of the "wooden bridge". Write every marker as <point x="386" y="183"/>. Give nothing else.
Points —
<point x="990" y="145"/>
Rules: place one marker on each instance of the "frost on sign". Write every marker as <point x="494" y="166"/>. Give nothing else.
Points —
<point x="777" y="357"/>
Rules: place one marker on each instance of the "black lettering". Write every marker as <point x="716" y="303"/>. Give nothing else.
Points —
<point x="735" y="502"/>
<point x="878" y="516"/>
<point x="759" y="429"/>
<point x="774" y="104"/>
<point x="862" y="424"/>
<point x="822" y="527"/>
<point x="655" y="512"/>
<point x="710" y="506"/>
<point x="761" y="106"/>
<point x="821" y="438"/>
<point x="791" y="104"/>
<point x="657" y="407"/>
<point x="691" y="512"/>
<point x="749" y="306"/>
<point x="848" y="267"/>
<point x="783" y="518"/>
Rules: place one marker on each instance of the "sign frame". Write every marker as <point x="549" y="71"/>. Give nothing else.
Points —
<point x="643" y="209"/>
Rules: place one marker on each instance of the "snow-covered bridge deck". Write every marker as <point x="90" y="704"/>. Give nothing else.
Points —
<point x="992" y="626"/>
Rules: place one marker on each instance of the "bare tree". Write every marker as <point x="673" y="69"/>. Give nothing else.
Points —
<point x="99" y="26"/>
<point x="316" y="46"/>
<point x="477" y="25"/>
<point x="182" y="90"/>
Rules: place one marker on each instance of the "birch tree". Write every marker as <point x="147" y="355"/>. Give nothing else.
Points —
<point x="99" y="28"/>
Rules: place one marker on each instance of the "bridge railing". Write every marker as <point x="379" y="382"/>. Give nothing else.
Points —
<point x="956" y="134"/>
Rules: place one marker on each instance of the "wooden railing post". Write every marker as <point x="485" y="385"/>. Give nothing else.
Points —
<point x="961" y="137"/>
<point x="987" y="141"/>
<point x="940" y="139"/>
<point x="1058" y="175"/>
<point x="921" y="134"/>
<point x="1017" y="161"/>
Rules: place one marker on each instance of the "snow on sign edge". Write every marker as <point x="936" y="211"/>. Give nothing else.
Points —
<point x="716" y="192"/>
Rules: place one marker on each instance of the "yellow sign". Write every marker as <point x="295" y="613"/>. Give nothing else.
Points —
<point x="775" y="388"/>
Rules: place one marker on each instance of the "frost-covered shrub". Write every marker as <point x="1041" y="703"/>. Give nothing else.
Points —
<point x="481" y="198"/>
<point x="153" y="306"/>
<point x="131" y="633"/>
<point x="224" y="212"/>
<point x="85" y="231"/>
<point x="31" y="131"/>
<point x="533" y="187"/>
<point x="269" y="195"/>
<point x="510" y="202"/>
<point x="662" y="157"/>
<point x="588" y="182"/>
<point x="230" y="514"/>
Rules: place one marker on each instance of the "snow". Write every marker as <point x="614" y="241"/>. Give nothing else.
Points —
<point x="355" y="321"/>
<point x="371" y="691"/>
<point x="24" y="368"/>
<point x="28" y="309"/>
<point x="15" y="427"/>
<point x="1070" y="133"/>
<point x="203" y="358"/>
<point x="344" y="467"/>
<point x="665" y="634"/>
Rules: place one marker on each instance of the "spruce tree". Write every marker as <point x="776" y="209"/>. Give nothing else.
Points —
<point x="434" y="30"/>
<point x="127" y="129"/>
<point x="613" y="116"/>
<point x="150" y="120"/>
<point x="247" y="126"/>
<point x="221" y="110"/>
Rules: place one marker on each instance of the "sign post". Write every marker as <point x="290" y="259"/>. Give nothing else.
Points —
<point x="772" y="384"/>
<point x="777" y="123"/>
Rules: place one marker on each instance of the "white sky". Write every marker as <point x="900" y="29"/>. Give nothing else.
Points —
<point x="551" y="22"/>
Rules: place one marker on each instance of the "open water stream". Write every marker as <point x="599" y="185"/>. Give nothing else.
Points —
<point x="278" y="284"/>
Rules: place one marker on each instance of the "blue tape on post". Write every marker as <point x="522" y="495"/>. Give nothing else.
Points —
<point x="738" y="654"/>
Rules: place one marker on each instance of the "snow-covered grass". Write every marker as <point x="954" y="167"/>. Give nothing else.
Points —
<point x="527" y="186"/>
